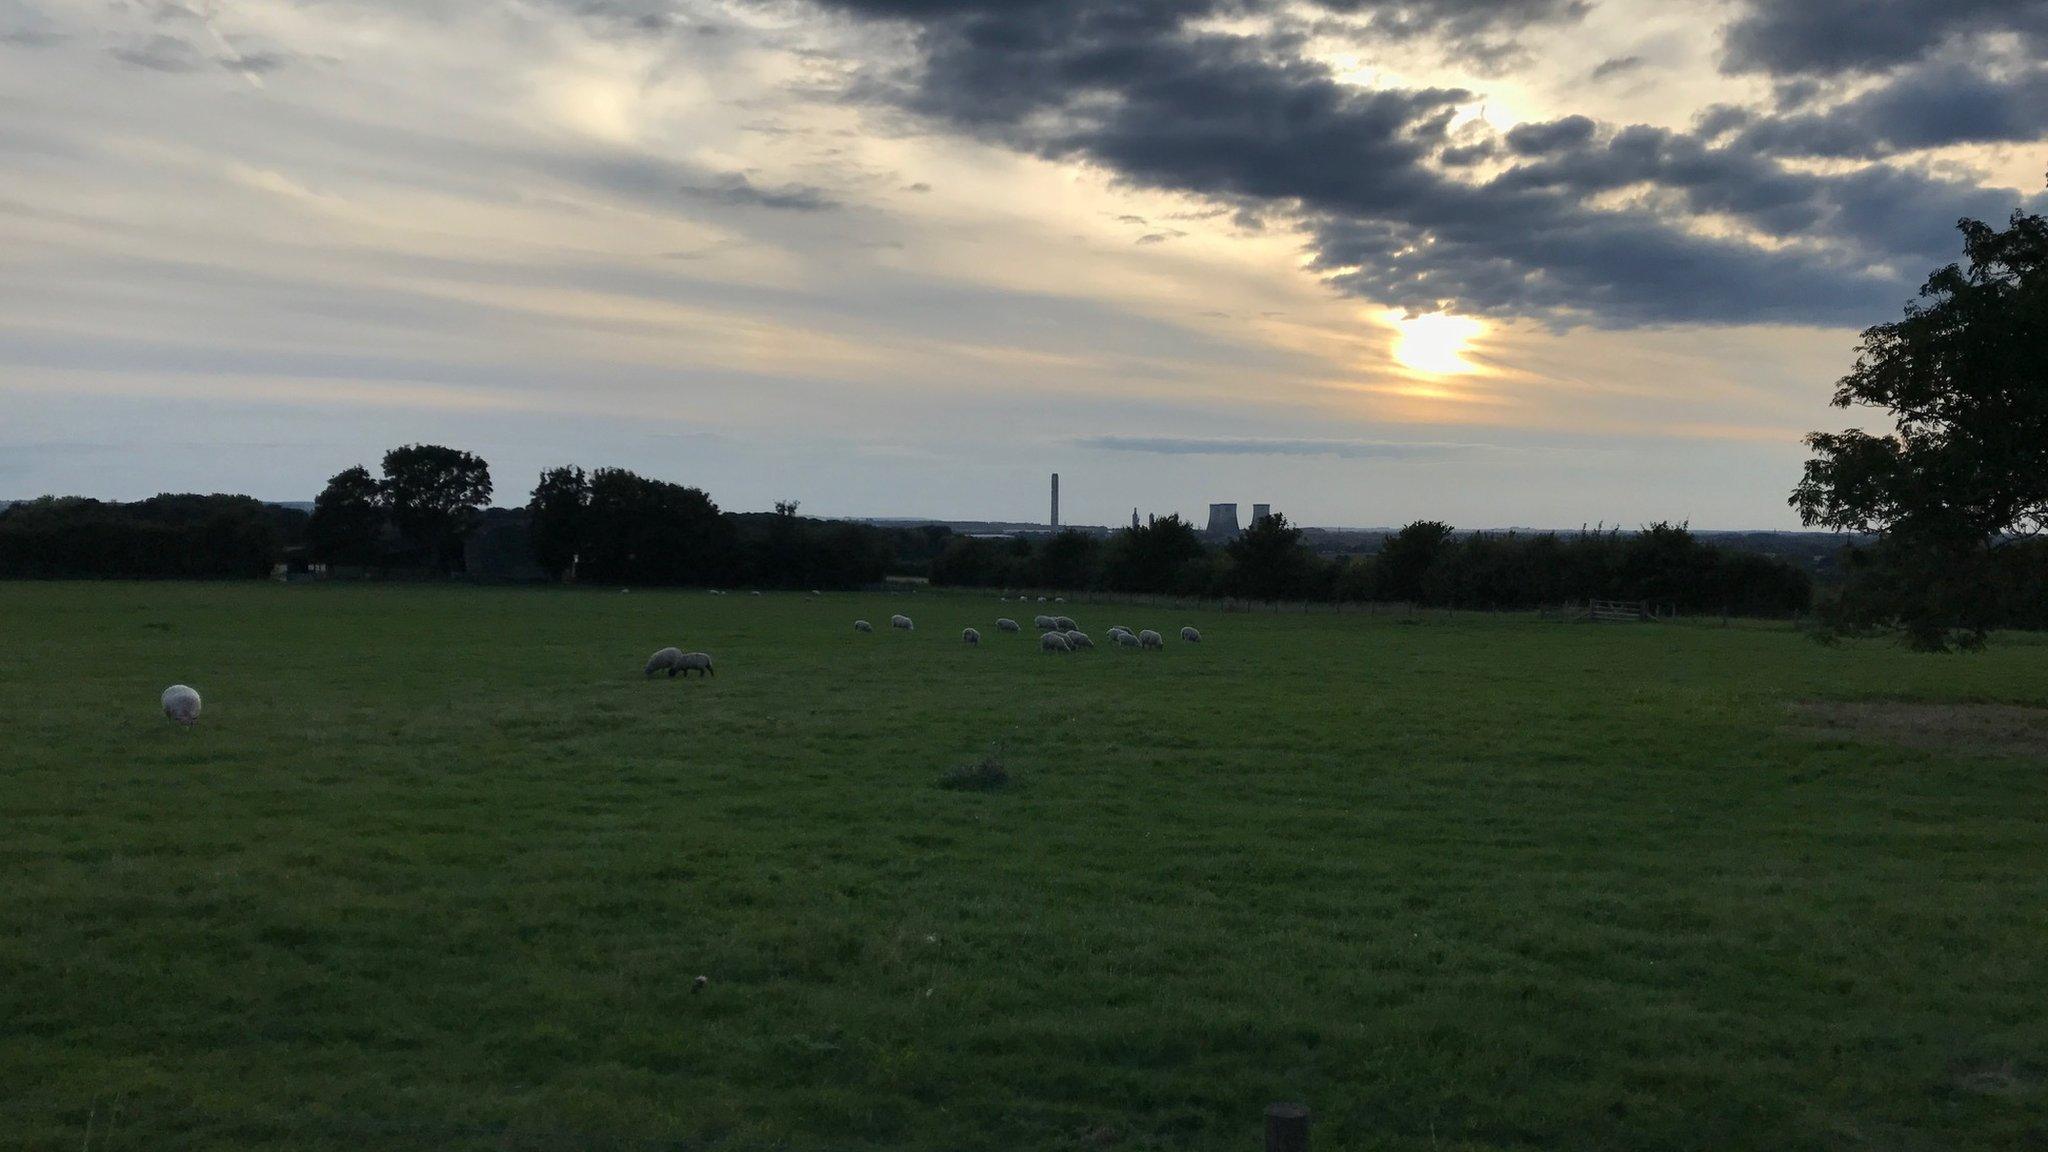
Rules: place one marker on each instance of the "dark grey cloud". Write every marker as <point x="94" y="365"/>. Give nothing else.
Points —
<point x="1618" y="65"/>
<point x="734" y="189"/>
<point x="1924" y="106"/>
<point x="160" y="53"/>
<point x="1827" y="37"/>
<point x="1587" y="223"/>
<point x="1347" y="449"/>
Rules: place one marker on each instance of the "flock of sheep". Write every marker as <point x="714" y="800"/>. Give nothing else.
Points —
<point x="1056" y="634"/>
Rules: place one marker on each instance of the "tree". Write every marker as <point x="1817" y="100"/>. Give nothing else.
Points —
<point x="653" y="532"/>
<point x="1964" y="380"/>
<point x="1150" y="558"/>
<point x="557" y="514"/>
<point x="1270" y="561"/>
<point x="434" y="494"/>
<point x="347" y="516"/>
<point x="1406" y="556"/>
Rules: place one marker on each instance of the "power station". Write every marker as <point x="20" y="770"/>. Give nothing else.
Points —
<point x="1222" y="517"/>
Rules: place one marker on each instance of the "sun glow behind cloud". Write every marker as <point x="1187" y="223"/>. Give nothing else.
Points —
<point x="1434" y="343"/>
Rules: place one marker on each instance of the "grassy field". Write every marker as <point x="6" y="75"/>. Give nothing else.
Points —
<point x="438" y="869"/>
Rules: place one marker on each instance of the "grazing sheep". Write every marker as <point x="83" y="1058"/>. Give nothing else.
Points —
<point x="753" y="593"/>
<point x="1064" y="623"/>
<point x="1054" y="642"/>
<point x="1191" y="636"/>
<point x="902" y="622"/>
<point x="863" y="626"/>
<point x="970" y="636"/>
<point x="687" y="662"/>
<point x="1005" y="624"/>
<point x="1041" y="599"/>
<point x="666" y="660"/>
<point x="1077" y="640"/>
<point x="181" y="704"/>
<point x="1059" y="599"/>
<point x="1126" y="640"/>
<point x="1150" y="639"/>
<point x="1120" y="628"/>
<point x="1043" y="623"/>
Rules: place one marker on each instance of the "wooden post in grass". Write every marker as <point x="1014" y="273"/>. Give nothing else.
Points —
<point x="1286" y="1128"/>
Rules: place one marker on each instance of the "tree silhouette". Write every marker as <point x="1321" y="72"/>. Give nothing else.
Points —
<point x="558" y="512"/>
<point x="434" y="494"/>
<point x="1964" y="380"/>
<point x="1270" y="562"/>
<point x="347" y="516"/>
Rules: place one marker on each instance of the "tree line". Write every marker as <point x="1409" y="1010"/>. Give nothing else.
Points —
<point x="1427" y="562"/>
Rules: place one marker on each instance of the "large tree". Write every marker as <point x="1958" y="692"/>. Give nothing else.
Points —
<point x="558" y="513"/>
<point x="1270" y="561"/>
<point x="435" y="495"/>
<point x="1963" y="378"/>
<point x="347" y="516"/>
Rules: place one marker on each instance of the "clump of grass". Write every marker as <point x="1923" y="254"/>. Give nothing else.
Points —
<point x="984" y="775"/>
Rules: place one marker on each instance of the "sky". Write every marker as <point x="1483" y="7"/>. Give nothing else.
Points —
<point x="1494" y="262"/>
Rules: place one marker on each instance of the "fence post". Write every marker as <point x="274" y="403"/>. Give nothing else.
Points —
<point x="1286" y="1128"/>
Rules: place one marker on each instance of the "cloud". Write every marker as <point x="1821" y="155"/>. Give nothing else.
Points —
<point x="734" y="189"/>
<point x="1591" y="224"/>
<point x="1618" y="65"/>
<point x="159" y="53"/>
<point x="1348" y="449"/>
<point x="1921" y="107"/>
<point x="1828" y="37"/>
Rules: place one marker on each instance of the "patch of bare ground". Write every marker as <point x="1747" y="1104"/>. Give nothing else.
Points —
<point x="1995" y="729"/>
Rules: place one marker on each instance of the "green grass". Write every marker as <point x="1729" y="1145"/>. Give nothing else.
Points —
<point x="437" y="869"/>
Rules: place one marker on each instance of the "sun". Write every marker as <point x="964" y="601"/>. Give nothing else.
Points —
<point x="1434" y="343"/>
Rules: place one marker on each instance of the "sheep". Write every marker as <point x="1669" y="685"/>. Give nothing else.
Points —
<point x="863" y="626"/>
<point x="1150" y="639"/>
<point x="1064" y="623"/>
<point x="1126" y="640"/>
<point x="1059" y="599"/>
<point x="1078" y="640"/>
<point x="666" y="660"/>
<point x="1054" y="642"/>
<point x="687" y="662"/>
<point x="970" y="636"/>
<point x="1191" y="636"/>
<point x="1043" y="623"/>
<point x="1005" y="624"/>
<point x="1121" y="628"/>
<point x="902" y="622"/>
<point x="181" y="704"/>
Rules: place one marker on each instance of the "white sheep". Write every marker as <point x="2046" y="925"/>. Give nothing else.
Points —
<point x="1054" y="642"/>
<point x="698" y="662"/>
<point x="863" y="626"/>
<point x="1150" y="639"/>
<point x="1064" y="623"/>
<point x="665" y="660"/>
<point x="1191" y="636"/>
<point x="970" y="636"/>
<point x="1042" y="623"/>
<point x="1077" y="640"/>
<point x="1120" y="628"/>
<point x="1126" y="640"/>
<point x="902" y="622"/>
<point x="181" y="704"/>
<point x="1005" y="624"/>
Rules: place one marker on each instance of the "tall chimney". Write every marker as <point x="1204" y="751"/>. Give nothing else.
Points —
<point x="1055" y="501"/>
